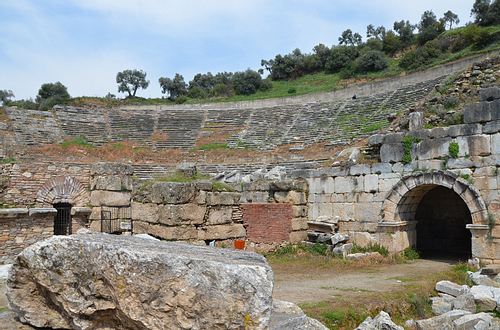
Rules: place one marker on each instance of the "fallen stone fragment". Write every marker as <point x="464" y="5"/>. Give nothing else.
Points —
<point x="467" y="322"/>
<point x="344" y="250"/>
<point x="491" y="269"/>
<point x="479" y="279"/>
<point x="381" y="321"/>
<point x="457" y="313"/>
<point x="465" y="302"/>
<point x="441" y="305"/>
<point x="100" y="281"/>
<point x="340" y="238"/>
<point x="441" y="322"/>
<point x="484" y="298"/>
<point x="451" y="288"/>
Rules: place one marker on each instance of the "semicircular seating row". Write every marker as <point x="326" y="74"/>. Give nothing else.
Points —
<point x="263" y="128"/>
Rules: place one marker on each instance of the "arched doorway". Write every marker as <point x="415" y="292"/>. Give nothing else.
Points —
<point x="443" y="206"/>
<point x="62" y="193"/>
<point x="442" y="217"/>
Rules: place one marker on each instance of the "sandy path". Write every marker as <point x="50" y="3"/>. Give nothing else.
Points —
<point x="309" y="285"/>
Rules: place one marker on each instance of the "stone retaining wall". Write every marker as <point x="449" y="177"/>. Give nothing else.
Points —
<point x="23" y="227"/>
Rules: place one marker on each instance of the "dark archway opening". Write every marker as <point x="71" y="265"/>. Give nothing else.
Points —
<point x="441" y="229"/>
<point x="62" y="220"/>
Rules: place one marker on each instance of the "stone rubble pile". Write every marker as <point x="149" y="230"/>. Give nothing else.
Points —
<point x="464" y="307"/>
<point x="325" y="230"/>
<point x="276" y="173"/>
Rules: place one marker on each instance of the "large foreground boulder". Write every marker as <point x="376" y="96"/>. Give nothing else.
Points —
<point x="99" y="281"/>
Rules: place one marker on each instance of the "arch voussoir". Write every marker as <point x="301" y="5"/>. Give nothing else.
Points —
<point x="62" y="189"/>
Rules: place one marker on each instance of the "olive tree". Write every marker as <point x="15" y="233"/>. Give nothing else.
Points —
<point x="5" y="96"/>
<point x="247" y="82"/>
<point x="175" y="87"/>
<point x="130" y="81"/>
<point x="51" y="94"/>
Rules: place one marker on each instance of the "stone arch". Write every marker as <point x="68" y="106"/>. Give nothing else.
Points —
<point x="403" y="199"/>
<point x="62" y="189"/>
<point x="439" y="230"/>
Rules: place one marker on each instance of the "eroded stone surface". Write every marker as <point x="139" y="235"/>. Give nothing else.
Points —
<point x="99" y="281"/>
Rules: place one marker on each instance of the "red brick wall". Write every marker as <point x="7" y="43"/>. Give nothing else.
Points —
<point x="267" y="223"/>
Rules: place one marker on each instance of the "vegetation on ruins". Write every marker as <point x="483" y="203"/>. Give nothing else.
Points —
<point x="174" y="87"/>
<point x="453" y="149"/>
<point x="51" y="94"/>
<point x="130" y="81"/>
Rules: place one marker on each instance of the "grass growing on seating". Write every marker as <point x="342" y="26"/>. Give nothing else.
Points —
<point x="79" y="141"/>
<point x="212" y="146"/>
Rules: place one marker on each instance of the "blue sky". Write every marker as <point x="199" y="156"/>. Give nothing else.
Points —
<point x="84" y="43"/>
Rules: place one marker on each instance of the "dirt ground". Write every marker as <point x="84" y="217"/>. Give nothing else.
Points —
<point x="305" y="284"/>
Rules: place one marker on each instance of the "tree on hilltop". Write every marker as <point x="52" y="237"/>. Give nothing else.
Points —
<point x="451" y="18"/>
<point x="349" y="38"/>
<point x="175" y="87"/>
<point x="130" y="81"/>
<point x="5" y="96"/>
<point x="51" y="94"/>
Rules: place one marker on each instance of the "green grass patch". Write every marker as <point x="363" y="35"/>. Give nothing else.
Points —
<point x="5" y="309"/>
<point x="212" y="146"/>
<point x="371" y="248"/>
<point x="313" y="304"/>
<point x="372" y="127"/>
<point x="9" y="160"/>
<point x="79" y="141"/>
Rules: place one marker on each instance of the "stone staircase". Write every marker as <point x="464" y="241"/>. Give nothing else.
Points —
<point x="181" y="128"/>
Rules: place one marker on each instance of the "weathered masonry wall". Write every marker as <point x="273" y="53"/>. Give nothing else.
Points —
<point x="23" y="227"/>
<point x="381" y="202"/>
<point x="195" y="212"/>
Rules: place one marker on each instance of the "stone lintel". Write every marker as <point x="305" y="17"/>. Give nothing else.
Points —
<point x="81" y="211"/>
<point x="13" y="213"/>
<point x="323" y="227"/>
<point x="46" y="212"/>
<point x="397" y="226"/>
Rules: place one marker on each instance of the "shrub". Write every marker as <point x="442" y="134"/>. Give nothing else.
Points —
<point x="407" y="141"/>
<point x="452" y="102"/>
<point x="246" y="82"/>
<point x="266" y="85"/>
<point x="345" y="74"/>
<point x="292" y="90"/>
<point x="181" y="99"/>
<point x="453" y="149"/>
<point x="373" y="60"/>
<point x="225" y="90"/>
<point x="196" y="93"/>
<point x="411" y="253"/>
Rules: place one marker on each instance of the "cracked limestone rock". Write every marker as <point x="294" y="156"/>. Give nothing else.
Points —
<point x="99" y="281"/>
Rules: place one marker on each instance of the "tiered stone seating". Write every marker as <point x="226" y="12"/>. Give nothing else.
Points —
<point x="268" y="125"/>
<point x="403" y="97"/>
<point x="227" y="118"/>
<point x="79" y="121"/>
<point x="311" y="123"/>
<point x="181" y="128"/>
<point x="34" y="127"/>
<point x="132" y="125"/>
